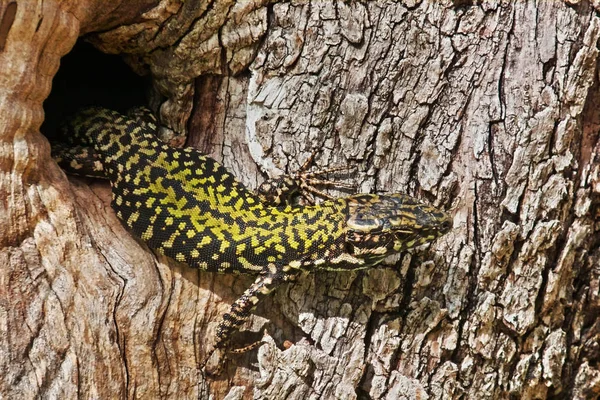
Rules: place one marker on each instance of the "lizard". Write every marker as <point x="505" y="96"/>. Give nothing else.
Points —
<point x="185" y="205"/>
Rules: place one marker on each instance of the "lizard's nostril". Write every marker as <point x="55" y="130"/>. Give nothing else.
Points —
<point x="445" y="226"/>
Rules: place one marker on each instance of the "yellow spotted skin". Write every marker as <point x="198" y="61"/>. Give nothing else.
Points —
<point x="187" y="206"/>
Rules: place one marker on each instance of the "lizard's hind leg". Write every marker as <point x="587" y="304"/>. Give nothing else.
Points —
<point x="94" y="129"/>
<point x="144" y="117"/>
<point x="78" y="160"/>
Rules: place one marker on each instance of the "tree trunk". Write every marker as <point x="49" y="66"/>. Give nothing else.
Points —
<point x="488" y="109"/>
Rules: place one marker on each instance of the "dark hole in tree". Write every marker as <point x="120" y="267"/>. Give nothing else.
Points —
<point x="89" y="77"/>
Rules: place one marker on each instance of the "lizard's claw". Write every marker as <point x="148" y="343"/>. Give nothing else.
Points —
<point x="221" y="363"/>
<point x="308" y="182"/>
<point x="282" y="190"/>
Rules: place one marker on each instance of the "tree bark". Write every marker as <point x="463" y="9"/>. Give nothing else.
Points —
<point x="488" y="109"/>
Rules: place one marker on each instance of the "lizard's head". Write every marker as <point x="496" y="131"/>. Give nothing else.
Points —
<point x="379" y="226"/>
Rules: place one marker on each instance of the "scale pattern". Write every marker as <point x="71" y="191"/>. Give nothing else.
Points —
<point x="187" y="206"/>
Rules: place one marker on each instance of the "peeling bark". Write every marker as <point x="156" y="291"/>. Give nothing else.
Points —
<point x="486" y="108"/>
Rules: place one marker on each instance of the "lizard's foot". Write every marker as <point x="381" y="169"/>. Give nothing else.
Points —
<point x="217" y="369"/>
<point x="304" y="183"/>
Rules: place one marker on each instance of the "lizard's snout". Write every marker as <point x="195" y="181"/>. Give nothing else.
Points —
<point x="383" y="225"/>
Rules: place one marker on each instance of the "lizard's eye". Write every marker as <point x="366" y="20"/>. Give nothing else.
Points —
<point x="404" y="236"/>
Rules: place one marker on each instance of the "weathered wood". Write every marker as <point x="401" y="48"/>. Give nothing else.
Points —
<point x="487" y="108"/>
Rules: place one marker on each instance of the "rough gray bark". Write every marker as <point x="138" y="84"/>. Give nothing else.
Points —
<point x="488" y="108"/>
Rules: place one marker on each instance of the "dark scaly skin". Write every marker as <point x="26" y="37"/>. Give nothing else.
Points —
<point x="187" y="206"/>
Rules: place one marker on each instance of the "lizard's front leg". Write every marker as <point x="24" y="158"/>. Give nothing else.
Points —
<point x="240" y="311"/>
<point x="283" y="190"/>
